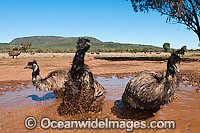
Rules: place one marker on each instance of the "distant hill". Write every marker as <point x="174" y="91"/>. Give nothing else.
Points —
<point x="67" y="44"/>
<point x="4" y="43"/>
<point x="42" y="40"/>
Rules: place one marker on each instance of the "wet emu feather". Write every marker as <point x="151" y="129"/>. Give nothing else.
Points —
<point x="54" y="81"/>
<point x="82" y="92"/>
<point x="149" y="90"/>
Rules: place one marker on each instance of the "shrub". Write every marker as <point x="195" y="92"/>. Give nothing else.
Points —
<point x="39" y="50"/>
<point x="15" y="49"/>
<point x="166" y="47"/>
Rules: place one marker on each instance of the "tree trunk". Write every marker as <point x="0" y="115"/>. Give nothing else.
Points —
<point x="198" y="34"/>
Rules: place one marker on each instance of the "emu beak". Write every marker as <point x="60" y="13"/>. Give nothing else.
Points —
<point x="27" y="67"/>
<point x="176" y="66"/>
<point x="88" y="43"/>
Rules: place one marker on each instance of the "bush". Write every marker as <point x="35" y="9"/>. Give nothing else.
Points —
<point x="184" y="48"/>
<point x="39" y="50"/>
<point x="166" y="47"/>
<point x="15" y="49"/>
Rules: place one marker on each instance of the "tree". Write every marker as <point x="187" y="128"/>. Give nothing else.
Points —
<point x="185" y="12"/>
<point x="166" y="47"/>
<point x="25" y="45"/>
<point x="15" y="49"/>
<point x="182" y="50"/>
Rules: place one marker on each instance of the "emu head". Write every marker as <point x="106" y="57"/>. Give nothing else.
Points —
<point x="83" y="43"/>
<point x="173" y="63"/>
<point x="33" y="65"/>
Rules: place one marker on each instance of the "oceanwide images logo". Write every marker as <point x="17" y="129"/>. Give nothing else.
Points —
<point x="46" y="123"/>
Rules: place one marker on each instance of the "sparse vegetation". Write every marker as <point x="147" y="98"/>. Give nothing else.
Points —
<point x="166" y="47"/>
<point x="53" y="44"/>
<point x="25" y="45"/>
<point x="68" y="45"/>
<point x="182" y="50"/>
<point x="14" y="49"/>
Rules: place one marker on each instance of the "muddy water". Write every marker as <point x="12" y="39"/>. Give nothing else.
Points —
<point x="114" y="86"/>
<point x="185" y="109"/>
<point x="23" y="95"/>
<point x="27" y="95"/>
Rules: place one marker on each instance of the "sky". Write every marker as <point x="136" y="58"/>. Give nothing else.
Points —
<point x="106" y="20"/>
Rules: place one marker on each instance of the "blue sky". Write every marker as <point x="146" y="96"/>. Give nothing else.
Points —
<point x="107" y="20"/>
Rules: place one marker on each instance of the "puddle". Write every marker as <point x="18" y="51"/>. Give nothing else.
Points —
<point x="187" y="106"/>
<point x="26" y="94"/>
<point x="23" y="95"/>
<point x="114" y="86"/>
<point x="185" y="109"/>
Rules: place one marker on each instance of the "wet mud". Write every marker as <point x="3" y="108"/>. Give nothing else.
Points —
<point x="20" y="99"/>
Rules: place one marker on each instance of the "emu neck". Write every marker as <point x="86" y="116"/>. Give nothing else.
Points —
<point x="78" y="60"/>
<point x="78" y="63"/>
<point x="170" y="71"/>
<point x="36" y="75"/>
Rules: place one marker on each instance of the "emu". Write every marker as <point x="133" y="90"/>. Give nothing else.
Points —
<point x="14" y="53"/>
<point x="54" y="81"/>
<point x="149" y="90"/>
<point x="82" y="92"/>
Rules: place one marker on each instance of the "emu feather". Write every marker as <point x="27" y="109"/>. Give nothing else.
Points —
<point x="54" y="81"/>
<point x="82" y="92"/>
<point x="149" y="90"/>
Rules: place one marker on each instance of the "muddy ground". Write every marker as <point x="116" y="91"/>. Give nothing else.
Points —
<point x="12" y="74"/>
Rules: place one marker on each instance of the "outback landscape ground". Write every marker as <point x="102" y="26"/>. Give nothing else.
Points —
<point x="14" y="79"/>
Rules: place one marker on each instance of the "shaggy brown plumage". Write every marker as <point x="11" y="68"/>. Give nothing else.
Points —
<point x="54" y="81"/>
<point x="149" y="90"/>
<point x="14" y="53"/>
<point x="82" y="92"/>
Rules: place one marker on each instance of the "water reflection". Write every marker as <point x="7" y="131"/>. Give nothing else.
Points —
<point x="12" y="96"/>
<point x="122" y="112"/>
<point x="47" y="96"/>
<point x="184" y="107"/>
<point x="114" y="86"/>
<point x="114" y="90"/>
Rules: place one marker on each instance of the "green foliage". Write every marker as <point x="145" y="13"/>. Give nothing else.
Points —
<point x="15" y="49"/>
<point x="166" y="47"/>
<point x="25" y="45"/>
<point x="184" y="48"/>
<point x="39" y="50"/>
